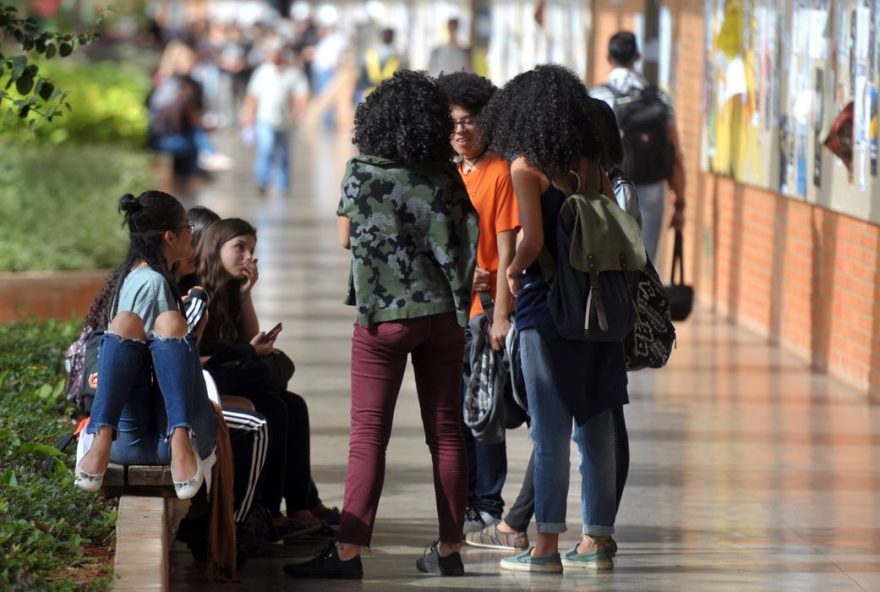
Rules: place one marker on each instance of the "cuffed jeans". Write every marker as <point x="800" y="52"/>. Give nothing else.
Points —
<point x="144" y="415"/>
<point x="551" y="430"/>
<point x="378" y="361"/>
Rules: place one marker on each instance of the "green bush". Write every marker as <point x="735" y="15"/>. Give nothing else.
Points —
<point x="47" y="525"/>
<point x="58" y="204"/>
<point x="107" y="104"/>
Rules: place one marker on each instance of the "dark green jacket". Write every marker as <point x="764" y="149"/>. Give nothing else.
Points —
<point x="413" y="239"/>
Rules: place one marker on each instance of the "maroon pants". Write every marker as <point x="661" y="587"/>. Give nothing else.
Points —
<point x="378" y="361"/>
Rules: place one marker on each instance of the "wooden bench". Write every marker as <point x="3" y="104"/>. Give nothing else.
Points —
<point x="149" y="512"/>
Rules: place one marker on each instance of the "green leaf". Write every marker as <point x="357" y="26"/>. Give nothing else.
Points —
<point x="24" y="84"/>
<point x="23" y="112"/>
<point x="50" y="51"/>
<point x="45" y="392"/>
<point x="8" y="478"/>
<point x="65" y="49"/>
<point x="42" y="449"/>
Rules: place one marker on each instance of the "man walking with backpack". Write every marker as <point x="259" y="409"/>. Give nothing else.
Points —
<point x="650" y="138"/>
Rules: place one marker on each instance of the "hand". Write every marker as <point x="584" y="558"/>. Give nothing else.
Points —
<point x="93" y="381"/>
<point x="482" y="278"/>
<point x="262" y="345"/>
<point x="498" y="332"/>
<point x="514" y="282"/>
<point x="677" y="221"/>
<point x="251" y="274"/>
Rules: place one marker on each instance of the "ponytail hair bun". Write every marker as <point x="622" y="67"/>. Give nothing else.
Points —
<point x="129" y="204"/>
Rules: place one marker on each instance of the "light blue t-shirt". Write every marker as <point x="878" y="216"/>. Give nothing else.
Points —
<point x="146" y="293"/>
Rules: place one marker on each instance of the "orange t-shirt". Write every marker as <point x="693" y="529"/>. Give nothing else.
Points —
<point x="491" y="191"/>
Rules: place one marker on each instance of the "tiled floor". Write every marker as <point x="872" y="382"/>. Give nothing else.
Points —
<point x="749" y="472"/>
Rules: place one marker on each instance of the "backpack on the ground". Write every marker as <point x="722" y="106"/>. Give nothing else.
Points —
<point x="594" y="279"/>
<point x="643" y="119"/>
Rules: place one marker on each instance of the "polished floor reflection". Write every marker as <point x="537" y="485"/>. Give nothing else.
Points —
<point x="749" y="471"/>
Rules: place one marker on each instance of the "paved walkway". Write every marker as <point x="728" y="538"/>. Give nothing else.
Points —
<point x="749" y="472"/>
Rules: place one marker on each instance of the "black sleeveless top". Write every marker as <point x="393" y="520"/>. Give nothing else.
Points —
<point x="590" y="376"/>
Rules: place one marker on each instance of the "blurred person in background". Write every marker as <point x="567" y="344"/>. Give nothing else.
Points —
<point x="379" y="63"/>
<point x="450" y="57"/>
<point x="277" y="95"/>
<point x="175" y="106"/>
<point x="327" y="56"/>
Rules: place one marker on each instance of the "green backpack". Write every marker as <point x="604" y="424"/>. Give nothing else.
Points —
<point x="594" y="289"/>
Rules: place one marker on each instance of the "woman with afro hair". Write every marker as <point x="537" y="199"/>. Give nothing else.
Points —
<point x="406" y="216"/>
<point x="542" y="120"/>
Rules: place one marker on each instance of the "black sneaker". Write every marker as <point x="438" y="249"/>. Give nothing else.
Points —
<point x="330" y="517"/>
<point x="327" y="564"/>
<point x="433" y="563"/>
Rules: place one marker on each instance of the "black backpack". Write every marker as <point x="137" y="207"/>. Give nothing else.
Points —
<point x="643" y="118"/>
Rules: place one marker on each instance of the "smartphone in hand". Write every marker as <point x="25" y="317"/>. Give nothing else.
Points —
<point x="272" y="333"/>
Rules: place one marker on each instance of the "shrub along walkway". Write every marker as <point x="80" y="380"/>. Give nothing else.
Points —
<point x="749" y="472"/>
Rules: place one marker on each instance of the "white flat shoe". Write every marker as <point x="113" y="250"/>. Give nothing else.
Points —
<point x="190" y="487"/>
<point x="82" y="479"/>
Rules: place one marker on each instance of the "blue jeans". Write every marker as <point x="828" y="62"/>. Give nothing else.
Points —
<point x="145" y="415"/>
<point x="652" y="202"/>
<point x="273" y="155"/>
<point x="550" y="430"/>
<point x="487" y="467"/>
<point x="320" y="80"/>
<point x="487" y="463"/>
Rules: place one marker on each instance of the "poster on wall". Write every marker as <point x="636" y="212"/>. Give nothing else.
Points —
<point x="778" y="74"/>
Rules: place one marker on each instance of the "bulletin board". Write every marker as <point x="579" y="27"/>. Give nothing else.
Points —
<point x="782" y="76"/>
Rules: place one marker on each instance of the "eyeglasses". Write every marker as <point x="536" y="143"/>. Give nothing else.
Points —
<point x="190" y="225"/>
<point x="465" y="123"/>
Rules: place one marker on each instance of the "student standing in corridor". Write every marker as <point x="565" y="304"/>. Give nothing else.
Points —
<point x="406" y="216"/>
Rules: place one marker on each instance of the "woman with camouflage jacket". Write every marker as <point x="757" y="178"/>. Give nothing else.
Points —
<point x="406" y="216"/>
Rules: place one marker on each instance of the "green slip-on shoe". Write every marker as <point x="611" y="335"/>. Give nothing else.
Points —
<point x="524" y="561"/>
<point x="598" y="560"/>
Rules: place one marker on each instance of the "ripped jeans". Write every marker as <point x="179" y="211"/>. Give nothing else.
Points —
<point x="143" y="414"/>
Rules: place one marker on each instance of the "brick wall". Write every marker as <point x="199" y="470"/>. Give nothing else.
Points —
<point x="803" y="276"/>
<point x="48" y="295"/>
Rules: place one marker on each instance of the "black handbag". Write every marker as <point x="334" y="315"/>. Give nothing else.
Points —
<point x="650" y="343"/>
<point x="238" y="370"/>
<point x="681" y="296"/>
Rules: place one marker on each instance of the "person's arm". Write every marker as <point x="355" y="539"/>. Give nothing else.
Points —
<point x="528" y="184"/>
<point x="248" y="114"/>
<point x="677" y="182"/>
<point x="343" y="231"/>
<point x="503" y="298"/>
<point x="300" y="101"/>
<point x="298" y="108"/>
<point x="249" y="325"/>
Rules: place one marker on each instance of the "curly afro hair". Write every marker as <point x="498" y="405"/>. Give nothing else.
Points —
<point x="469" y="91"/>
<point x="542" y="115"/>
<point x="606" y="124"/>
<point x="406" y="119"/>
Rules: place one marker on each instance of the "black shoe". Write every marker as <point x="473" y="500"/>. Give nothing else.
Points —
<point x="330" y="517"/>
<point x="327" y="564"/>
<point x="433" y="563"/>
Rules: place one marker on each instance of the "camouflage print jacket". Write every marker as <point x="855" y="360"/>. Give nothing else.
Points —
<point x="413" y="239"/>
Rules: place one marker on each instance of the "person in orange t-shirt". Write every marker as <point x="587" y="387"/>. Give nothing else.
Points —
<point x="487" y="178"/>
